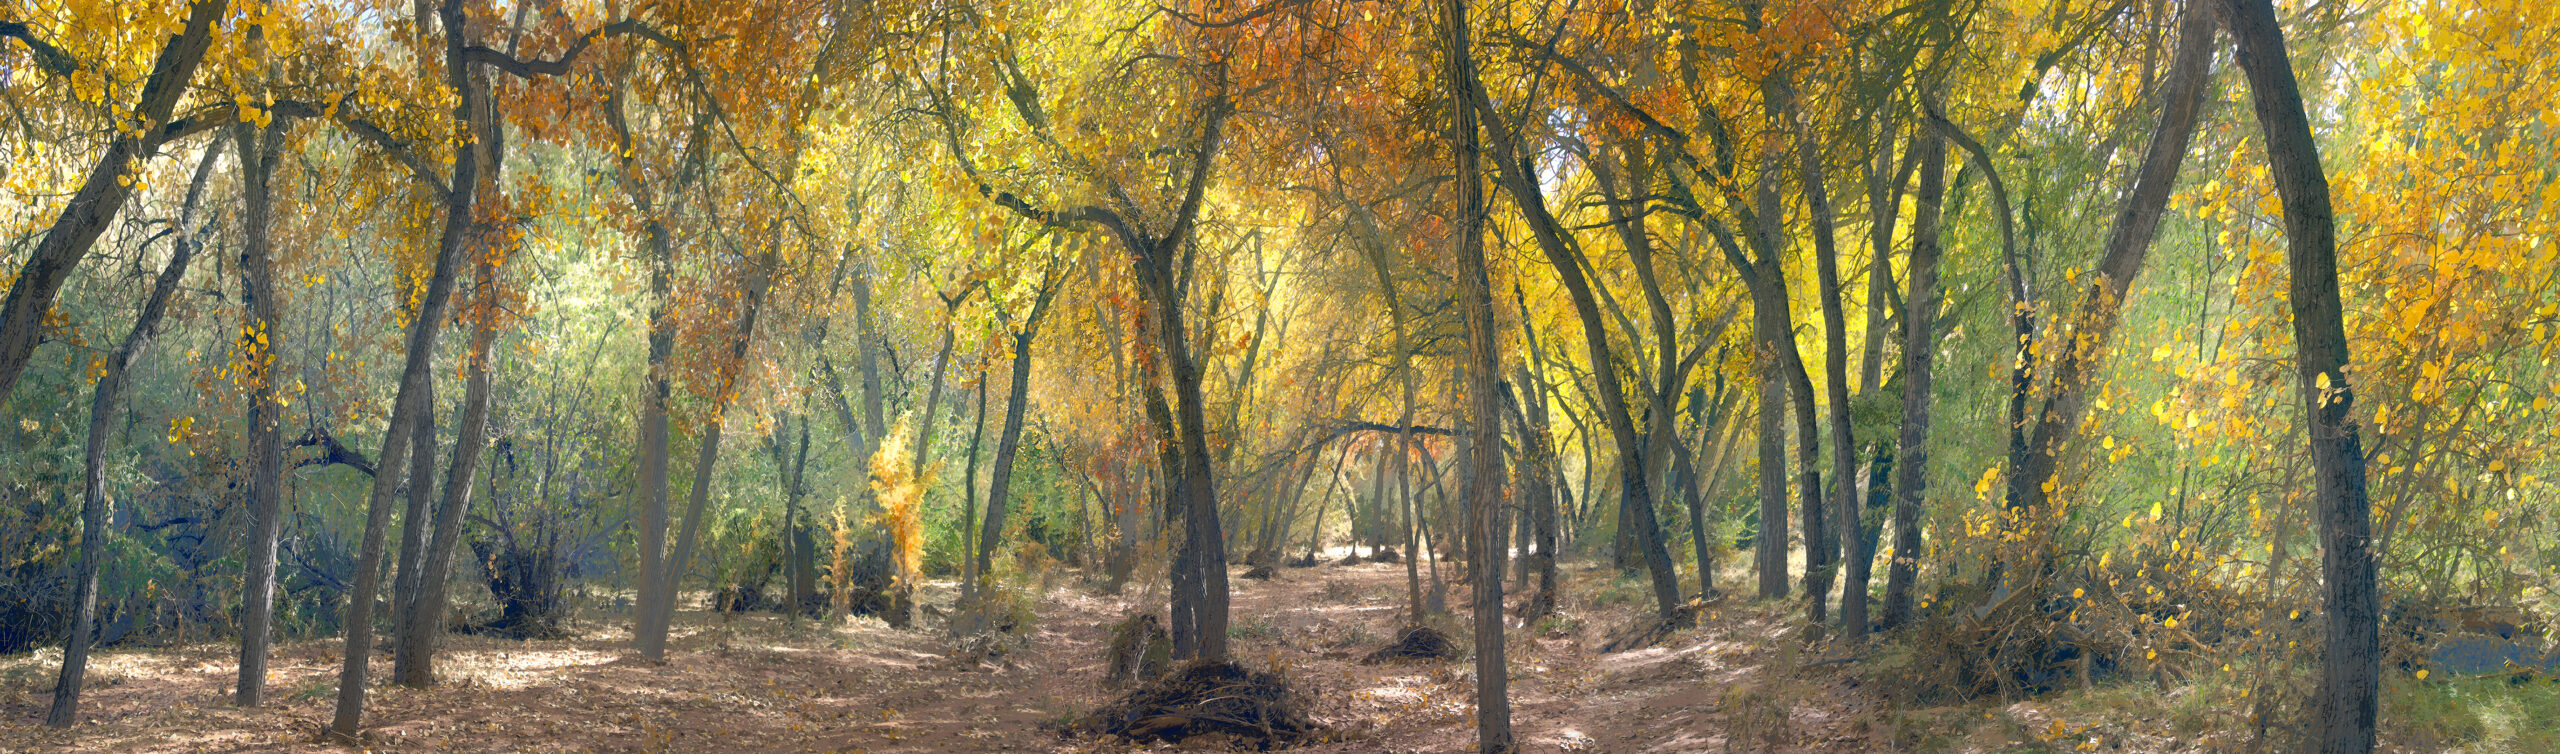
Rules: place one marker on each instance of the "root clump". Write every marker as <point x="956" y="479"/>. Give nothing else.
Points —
<point x="1415" y="643"/>
<point x="1253" y="708"/>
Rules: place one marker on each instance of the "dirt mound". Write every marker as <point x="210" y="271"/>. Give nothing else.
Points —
<point x="1415" y="643"/>
<point x="1254" y="708"/>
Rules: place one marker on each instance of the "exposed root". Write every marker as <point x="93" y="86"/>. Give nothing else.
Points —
<point x="1651" y="630"/>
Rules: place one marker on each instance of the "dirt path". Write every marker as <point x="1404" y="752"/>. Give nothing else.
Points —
<point x="757" y="683"/>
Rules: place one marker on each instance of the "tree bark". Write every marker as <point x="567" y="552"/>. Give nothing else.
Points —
<point x="970" y="567"/>
<point x="413" y="659"/>
<point x="418" y="367"/>
<point x="759" y="283"/>
<point x="1835" y="348"/>
<point x="1518" y="178"/>
<point x="2350" y="669"/>
<point x="260" y="338"/>
<point x="1919" y="356"/>
<point x="2128" y="244"/>
<point x="421" y="492"/>
<point x="1008" y="445"/>
<point x="94" y="500"/>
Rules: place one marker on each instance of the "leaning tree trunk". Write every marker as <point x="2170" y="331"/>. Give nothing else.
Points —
<point x="413" y="520"/>
<point x="2350" y="669"/>
<point x="260" y="338"/>
<point x="759" y="280"/>
<point x="2128" y="244"/>
<point x="1518" y="178"/>
<point x="102" y="413"/>
<point x="418" y="367"/>
<point x="103" y="190"/>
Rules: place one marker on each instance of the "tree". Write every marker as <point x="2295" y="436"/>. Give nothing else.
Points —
<point x="186" y="237"/>
<point x="2350" y="668"/>
<point x="1483" y="477"/>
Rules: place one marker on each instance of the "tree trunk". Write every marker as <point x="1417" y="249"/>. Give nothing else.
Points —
<point x="421" y="492"/>
<point x="413" y="663"/>
<point x="1771" y="542"/>
<point x="970" y="544"/>
<point x="102" y="413"/>
<point x="1517" y="175"/>
<point x="2128" y="243"/>
<point x="1919" y="355"/>
<point x="102" y="192"/>
<point x="417" y="368"/>
<point x="759" y="281"/>
<point x="1008" y="445"/>
<point x="2350" y="670"/>
<point x="260" y="337"/>
<point x="1835" y="362"/>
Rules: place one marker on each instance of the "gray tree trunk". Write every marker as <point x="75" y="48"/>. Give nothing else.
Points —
<point x="1919" y="356"/>
<point x="413" y="658"/>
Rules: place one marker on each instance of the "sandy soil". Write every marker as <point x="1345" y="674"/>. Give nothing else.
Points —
<point x="758" y="683"/>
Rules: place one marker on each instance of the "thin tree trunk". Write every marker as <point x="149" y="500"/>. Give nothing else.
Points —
<point x="102" y="412"/>
<point x="1518" y="178"/>
<point x="1315" y="536"/>
<point x="2128" y="244"/>
<point x="1835" y="348"/>
<point x="1009" y="442"/>
<point x="932" y="401"/>
<point x="759" y="281"/>
<point x="2350" y="669"/>
<point x="970" y="544"/>
<point x="1769" y="233"/>
<point x="1919" y="352"/>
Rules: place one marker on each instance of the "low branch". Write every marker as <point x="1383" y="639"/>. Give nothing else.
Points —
<point x="48" y="57"/>
<point x="332" y="452"/>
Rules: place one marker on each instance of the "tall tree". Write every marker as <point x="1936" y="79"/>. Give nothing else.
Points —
<point x="261" y="335"/>
<point x="1483" y="368"/>
<point x="2350" y="667"/>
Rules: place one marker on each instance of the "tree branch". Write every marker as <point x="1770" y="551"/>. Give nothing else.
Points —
<point x="48" y="57"/>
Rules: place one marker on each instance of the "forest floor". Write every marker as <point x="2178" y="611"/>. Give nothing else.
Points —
<point x="756" y="682"/>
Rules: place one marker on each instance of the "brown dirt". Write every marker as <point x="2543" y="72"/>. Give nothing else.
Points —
<point x="758" y="683"/>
